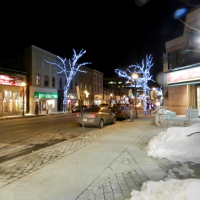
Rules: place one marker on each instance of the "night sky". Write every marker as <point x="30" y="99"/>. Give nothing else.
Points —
<point x="114" y="35"/>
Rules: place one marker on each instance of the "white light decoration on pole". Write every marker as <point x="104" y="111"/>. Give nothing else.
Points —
<point x="23" y="86"/>
<point x="135" y="77"/>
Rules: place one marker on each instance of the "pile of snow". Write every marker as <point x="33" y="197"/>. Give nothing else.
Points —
<point x="176" y="144"/>
<point x="172" y="189"/>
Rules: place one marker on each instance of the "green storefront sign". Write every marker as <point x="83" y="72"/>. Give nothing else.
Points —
<point x="46" y="95"/>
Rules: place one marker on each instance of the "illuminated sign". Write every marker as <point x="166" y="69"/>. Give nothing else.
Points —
<point x="46" y="95"/>
<point x="183" y="75"/>
<point x="10" y="80"/>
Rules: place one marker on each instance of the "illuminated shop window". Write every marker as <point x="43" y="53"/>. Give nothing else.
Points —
<point x="13" y="101"/>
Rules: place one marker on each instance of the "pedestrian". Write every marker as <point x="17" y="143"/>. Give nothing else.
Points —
<point x="150" y="106"/>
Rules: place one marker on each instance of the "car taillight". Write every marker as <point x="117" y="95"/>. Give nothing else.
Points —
<point x="78" y="114"/>
<point x="94" y="115"/>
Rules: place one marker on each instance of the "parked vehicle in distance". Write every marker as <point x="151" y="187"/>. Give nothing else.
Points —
<point x="77" y="108"/>
<point x="121" y="111"/>
<point x="103" y="105"/>
<point x="96" y="116"/>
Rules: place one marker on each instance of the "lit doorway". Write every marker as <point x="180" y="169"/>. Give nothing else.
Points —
<point x="198" y="98"/>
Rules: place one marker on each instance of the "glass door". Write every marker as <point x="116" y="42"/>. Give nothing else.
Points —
<point x="198" y="98"/>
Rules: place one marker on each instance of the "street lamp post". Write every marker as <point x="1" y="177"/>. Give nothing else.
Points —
<point x="23" y="86"/>
<point x="135" y="76"/>
<point x="110" y="99"/>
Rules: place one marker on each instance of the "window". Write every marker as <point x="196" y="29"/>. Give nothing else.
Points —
<point x="46" y="67"/>
<point x="46" y="81"/>
<point x="94" y="78"/>
<point x="71" y="85"/>
<point x="38" y="62"/>
<point x="53" y="82"/>
<point x="94" y="87"/>
<point x="90" y="88"/>
<point x="38" y="80"/>
<point x="97" y="79"/>
<point x="60" y="83"/>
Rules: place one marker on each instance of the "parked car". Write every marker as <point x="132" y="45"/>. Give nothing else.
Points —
<point x="103" y="105"/>
<point x="121" y="112"/>
<point x="96" y="116"/>
<point x="77" y="108"/>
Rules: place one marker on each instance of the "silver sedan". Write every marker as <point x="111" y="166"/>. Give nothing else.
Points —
<point x="95" y="116"/>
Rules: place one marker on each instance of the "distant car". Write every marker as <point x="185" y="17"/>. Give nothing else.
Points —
<point x="96" y="116"/>
<point x="121" y="112"/>
<point x="103" y="105"/>
<point x="77" y="108"/>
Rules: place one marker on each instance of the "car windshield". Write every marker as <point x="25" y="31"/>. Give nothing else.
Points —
<point x="92" y="109"/>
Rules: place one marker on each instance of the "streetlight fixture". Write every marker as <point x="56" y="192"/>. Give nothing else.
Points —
<point x="23" y="86"/>
<point x="135" y="77"/>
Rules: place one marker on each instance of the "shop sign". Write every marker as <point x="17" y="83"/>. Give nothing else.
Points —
<point x="10" y="80"/>
<point x="183" y="75"/>
<point x="98" y="96"/>
<point x="46" y="95"/>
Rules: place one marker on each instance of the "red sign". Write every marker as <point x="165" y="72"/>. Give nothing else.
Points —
<point x="183" y="75"/>
<point x="9" y="80"/>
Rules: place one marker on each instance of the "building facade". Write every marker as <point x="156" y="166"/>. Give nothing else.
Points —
<point x="181" y="67"/>
<point x="13" y="93"/>
<point x="116" y="91"/>
<point x="46" y="85"/>
<point x="42" y="80"/>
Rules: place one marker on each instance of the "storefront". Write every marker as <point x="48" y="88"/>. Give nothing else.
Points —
<point x="98" y="99"/>
<point x="45" y="102"/>
<point x="72" y="100"/>
<point x="183" y="90"/>
<point x="42" y="100"/>
<point x="13" y="99"/>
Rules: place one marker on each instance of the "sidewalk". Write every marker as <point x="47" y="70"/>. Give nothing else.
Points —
<point x="31" y="115"/>
<point x="105" y="164"/>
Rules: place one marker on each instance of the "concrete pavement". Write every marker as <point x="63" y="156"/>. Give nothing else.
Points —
<point x="105" y="164"/>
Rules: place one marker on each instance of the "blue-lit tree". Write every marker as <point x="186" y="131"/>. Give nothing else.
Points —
<point x="69" y="68"/>
<point x="143" y="71"/>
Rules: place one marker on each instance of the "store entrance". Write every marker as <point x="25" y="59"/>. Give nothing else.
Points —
<point x="198" y="98"/>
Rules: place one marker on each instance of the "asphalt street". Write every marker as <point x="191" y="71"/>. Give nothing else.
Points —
<point x="104" y="164"/>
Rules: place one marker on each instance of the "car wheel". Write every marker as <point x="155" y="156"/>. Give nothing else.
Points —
<point x="80" y="124"/>
<point x="114" y="120"/>
<point x="101" y="123"/>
